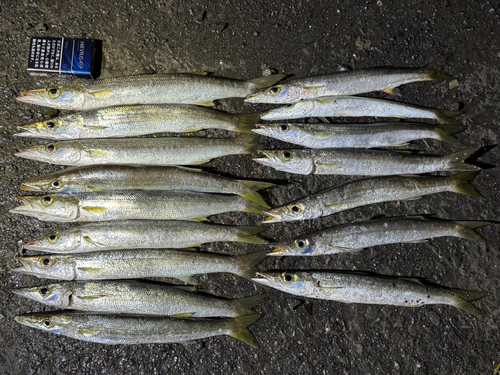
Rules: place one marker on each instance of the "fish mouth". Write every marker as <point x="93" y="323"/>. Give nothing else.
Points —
<point x="273" y="218"/>
<point x="261" y="278"/>
<point x="269" y="115"/>
<point x="30" y="187"/>
<point x="31" y="153"/>
<point x="276" y="252"/>
<point x="261" y="129"/>
<point x="23" y="292"/>
<point x="31" y="97"/>
<point x="26" y="267"/>
<point x="252" y="98"/>
<point x="25" y="207"/>
<point x="27" y="131"/>
<point x="268" y="159"/>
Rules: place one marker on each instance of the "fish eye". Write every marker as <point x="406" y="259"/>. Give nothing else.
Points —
<point x="53" y="92"/>
<point x="301" y="244"/>
<point x="275" y="89"/>
<point x="56" y="183"/>
<point x="44" y="291"/>
<point x="287" y="277"/>
<point x="51" y="125"/>
<point x="47" y="200"/>
<point x="284" y="128"/>
<point x="295" y="208"/>
<point x="52" y="237"/>
<point x="47" y="323"/>
<point x="287" y="155"/>
<point x="51" y="148"/>
<point x="46" y="262"/>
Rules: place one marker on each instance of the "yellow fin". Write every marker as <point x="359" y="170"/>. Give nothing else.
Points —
<point x="182" y="316"/>
<point x="241" y="331"/>
<point x="201" y="73"/>
<point x="186" y="288"/>
<point x="95" y="210"/>
<point x="102" y="94"/>
<point x="391" y="91"/>
<point x="199" y="219"/>
<point x="324" y="119"/>
<point x="208" y="103"/>
<point x="89" y="332"/>
<point x="90" y="298"/>
<point x="89" y="270"/>
<point x="332" y="166"/>
<point x="97" y="152"/>
<point x="198" y="170"/>
<point x="94" y="189"/>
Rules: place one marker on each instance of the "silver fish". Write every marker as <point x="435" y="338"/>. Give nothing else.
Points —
<point x="350" y="82"/>
<point x="358" y="135"/>
<point x="369" y="289"/>
<point x="138" y="151"/>
<point x="113" y="178"/>
<point x="131" y="121"/>
<point x="135" y="297"/>
<point x="137" y="264"/>
<point x="357" y="106"/>
<point x="182" y="88"/>
<point x="361" y="162"/>
<point x="142" y="234"/>
<point x="356" y="236"/>
<point x="358" y="193"/>
<point x="131" y="205"/>
<point x="119" y="329"/>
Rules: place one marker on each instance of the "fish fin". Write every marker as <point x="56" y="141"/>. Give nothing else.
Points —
<point x="456" y="161"/>
<point x="256" y="185"/>
<point x="190" y="248"/>
<point x="201" y="73"/>
<point x="207" y="103"/>
<point x="103" y="94"/>
<point x="324" y="120"/>
<point x="249" y="262"/>
<point x="268" y="81"/>
<point x="394" y="91"/>
<point x="89" y="298"/>
<point x="461" y="183"/>
<point x="94" y="189"/>
<point x="199" y="219"/>
<point x="89" y="240"/>
<point x="254" y="208"/>
<point x="89" y="332"/>
<point x="241" y="329"/>
<point x="89" y="270"/>
<point x="202" y="162"/>
<point x="330" y="166"/>
<point x="97" y="152"/>
<point x="445" y="132"/>
<point x="448" y="117"/>
<point x="341" y="249"/>
<point x="413" y="199"/>
<point x="198" y="170"/>
<point x="245" y="306"/>
<point x="255" y="197"/>
<point x="435" y="74"/>
<point x="96" y="127"/>
<point x="182" y="316"/>
<point x="467" y="232"/>
<point x="188" y="280"/>
<point x="464" y="299"/>
<point x="411" y="279"/>
<point x="186" y="288"/>
<point x="248" y="235"/>
<point x="249" y="141"/>
<point x="95" y="210"/>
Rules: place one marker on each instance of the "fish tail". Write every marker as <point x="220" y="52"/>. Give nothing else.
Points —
<point x="241" y="331"/>
<point x="248" y="263"/>
<point x="255" y="207"/>
<point x="466" y="230"/>
<point x="255" y="197"/>
<point x="249" y="143"/>
<point x="265" y="82"/>
<point x="248" y="235"/>
<point x="448" y="117"/>
<point x="465" y="297"/>
<point x="436" y="74"/>
<point x="456" y="161"/>
<point x="445" y="132"/>
<point x="246" y="122"/>
<point x="461" y="184"/>
<point x="245" y="306"/>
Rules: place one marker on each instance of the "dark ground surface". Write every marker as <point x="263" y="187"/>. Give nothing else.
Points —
<point x="241" y="39"/>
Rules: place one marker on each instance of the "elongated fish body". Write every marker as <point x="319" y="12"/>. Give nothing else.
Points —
<point x="138" y="151"/>
<point x="130" y="121"/>
<point x="136" y="264"/>
<point x="350" y="82"/>
<point x="357" y="106"/>
<point x="369" y="289"/>
<point x="131" y="205"/>
<point x="358" y="193"/>
<point x="135" y="297"/>
<point x="142" y="234"/>
<point x="114" y="177"/>
<point x="120" y="329"/>
<point x="361" y="162"/>
<point x="180" y="88"/>
<point x="356" y="236"/>
<point x="357" y="135"/>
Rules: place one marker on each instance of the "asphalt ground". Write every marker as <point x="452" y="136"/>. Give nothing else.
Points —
<point x="246" y="39"/>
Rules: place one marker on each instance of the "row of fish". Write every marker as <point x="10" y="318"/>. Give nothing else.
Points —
<point x="138" y="181"/>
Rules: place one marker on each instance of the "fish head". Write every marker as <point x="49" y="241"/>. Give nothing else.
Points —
<point x="49" y="322"/>
<point x="65" y="242"/>
<point x="289" y="282"/>
<point x="292" y="212"/>
<point x="283" y="131"/>
<point x="56" y="128"/>
<point x="58" y="295"/>
<point x="299" y="246"/>
<point x="278" y="94"/>
<point x="65" y="153"/>
<point x="49" y="207"/>
<point x="53" y="182"/>
<point x="292" y="161"/>
<point x="70" y="97"/>
<point x="47" y="266"/>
